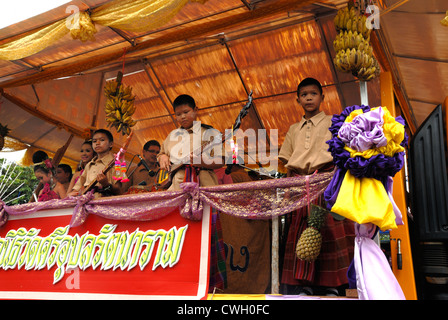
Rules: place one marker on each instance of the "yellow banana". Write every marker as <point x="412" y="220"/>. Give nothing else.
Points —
<point x="352" y="12"/>
<point x="344" y="19"/>
<point x="336" y="20"/>
<point x="346" y="40"/>
<point x="364" y="26"/>
<point x="348" y="25"/>
<point x="124" y="106"/>
<point x="108" y="108"/>
<point x="118" y="114"/>
<point x="351" y="39"/>
<point x="350" y="57"/>
<point x="359" y="27"/>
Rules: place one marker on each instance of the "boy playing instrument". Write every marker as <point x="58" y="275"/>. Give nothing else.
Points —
<point x="185" y="140"/>
<point x="182" y="144"/>
<point x="102" y="142"/>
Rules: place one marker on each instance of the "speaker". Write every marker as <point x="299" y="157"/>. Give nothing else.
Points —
<point x="428" y="183"/>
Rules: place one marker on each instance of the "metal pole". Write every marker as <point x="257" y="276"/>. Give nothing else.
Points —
<point x="363" y="92"/>
<point x="275" y="286"/>
<point x="365" y="101"/>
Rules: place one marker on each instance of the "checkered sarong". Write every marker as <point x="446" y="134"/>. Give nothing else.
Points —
<point x="331" y="266"/>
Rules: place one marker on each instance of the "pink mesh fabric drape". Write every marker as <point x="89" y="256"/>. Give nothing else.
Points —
<point x="263" y="199"/>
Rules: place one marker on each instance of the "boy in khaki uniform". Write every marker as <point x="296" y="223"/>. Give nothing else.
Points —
<point x="303" y="152"/>
<point x="184" y="140"/>
<point x="177" y="147"/>
<point x="102" y="142"/>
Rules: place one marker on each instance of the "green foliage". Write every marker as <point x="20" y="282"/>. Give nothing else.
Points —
<point x="12" y="179"/>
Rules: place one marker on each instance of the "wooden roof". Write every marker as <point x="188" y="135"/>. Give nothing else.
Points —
<point x="217" y="52"/>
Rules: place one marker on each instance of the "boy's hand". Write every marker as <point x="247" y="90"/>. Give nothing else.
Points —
<point x="73" y="193"/>
<point x="164" y="162"/>
<point x="102" y="179"/>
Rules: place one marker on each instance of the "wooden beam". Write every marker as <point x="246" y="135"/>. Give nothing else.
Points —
<point x="41" y="115"/>
<point x="262" y="11"/>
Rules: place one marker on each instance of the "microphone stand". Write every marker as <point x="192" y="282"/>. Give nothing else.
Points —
<point x="142" y="162"/>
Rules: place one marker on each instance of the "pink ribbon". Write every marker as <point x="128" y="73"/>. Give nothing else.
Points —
<point x="193" y="205"/>
<point x="79" y="212"/>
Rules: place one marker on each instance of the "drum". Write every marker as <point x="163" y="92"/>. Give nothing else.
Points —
<point x="138" y="189"/>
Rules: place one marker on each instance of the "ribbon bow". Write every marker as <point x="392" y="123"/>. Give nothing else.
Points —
<point x="79" y="212"/>
<point x="193" y="205"/>
<point x="3" y="214"/>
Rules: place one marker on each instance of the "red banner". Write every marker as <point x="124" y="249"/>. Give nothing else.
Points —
<point x="41" y="257"/>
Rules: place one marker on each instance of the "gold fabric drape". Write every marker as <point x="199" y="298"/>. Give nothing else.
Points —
<point x="33" y="42"/>
<point x="444" y="22"/>
<point x="137" y="15"/>
<point x="129" y="15"/>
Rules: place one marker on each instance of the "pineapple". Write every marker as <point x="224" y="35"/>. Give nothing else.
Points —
<point x="4" y="130"/>
<point x="310" y="241"/>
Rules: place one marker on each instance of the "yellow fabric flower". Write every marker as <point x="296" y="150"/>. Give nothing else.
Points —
<point x="364" y="200"/>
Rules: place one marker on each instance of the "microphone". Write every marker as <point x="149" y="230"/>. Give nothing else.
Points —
<point x="143" y="162"/>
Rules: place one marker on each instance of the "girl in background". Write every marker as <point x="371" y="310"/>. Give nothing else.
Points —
<point x="51" y="189"/>
<point x="87" y="154"/>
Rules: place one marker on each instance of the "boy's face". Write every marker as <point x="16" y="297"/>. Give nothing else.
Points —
<point x="185" y="115"/>
<point x="101" y="143"/>
<point x="61" y="175"/>
<point x="310" y="99"/>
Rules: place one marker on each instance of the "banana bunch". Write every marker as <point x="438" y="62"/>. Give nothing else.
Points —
<point x="354" y="54"/>
<point x="368" y="73"/>
<point x="119" y="107"/>
<point x="350" y="19"/>
<point x="348" y="40"/>
<point x="362" y="65"/>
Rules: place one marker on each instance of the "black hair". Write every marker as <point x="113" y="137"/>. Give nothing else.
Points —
<point x="89" y="142"/>
<point x="308" y="82"/>
<point x="106" y="132"/>
<point x="42" y="168"/>
<point x="67" y="169"/>
<point x="151" y="143"/>
<point x="182" y="100"/>
<point x="39" y="156"/>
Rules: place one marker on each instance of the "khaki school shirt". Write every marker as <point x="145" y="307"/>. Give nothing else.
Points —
<point x="91" y="171"/>
<point x="180" y="143"/>
<point x="305" y="149"/>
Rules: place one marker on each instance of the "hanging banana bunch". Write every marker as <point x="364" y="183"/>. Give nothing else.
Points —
<point x="354" y="54"/>
<point x="119" y="106"/>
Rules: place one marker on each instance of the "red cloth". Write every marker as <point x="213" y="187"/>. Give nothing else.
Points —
<point x="47" y="194"/>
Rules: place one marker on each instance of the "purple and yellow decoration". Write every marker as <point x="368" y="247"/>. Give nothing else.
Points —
<point x="367" y="146"/>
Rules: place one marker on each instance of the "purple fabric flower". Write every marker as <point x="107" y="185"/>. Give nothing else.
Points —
<point x="364" y="131"/>
<point x="378" y="166"/>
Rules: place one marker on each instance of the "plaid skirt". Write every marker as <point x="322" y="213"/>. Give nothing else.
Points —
<point x="331" y="266"/>
<point x="218" y="274"/>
